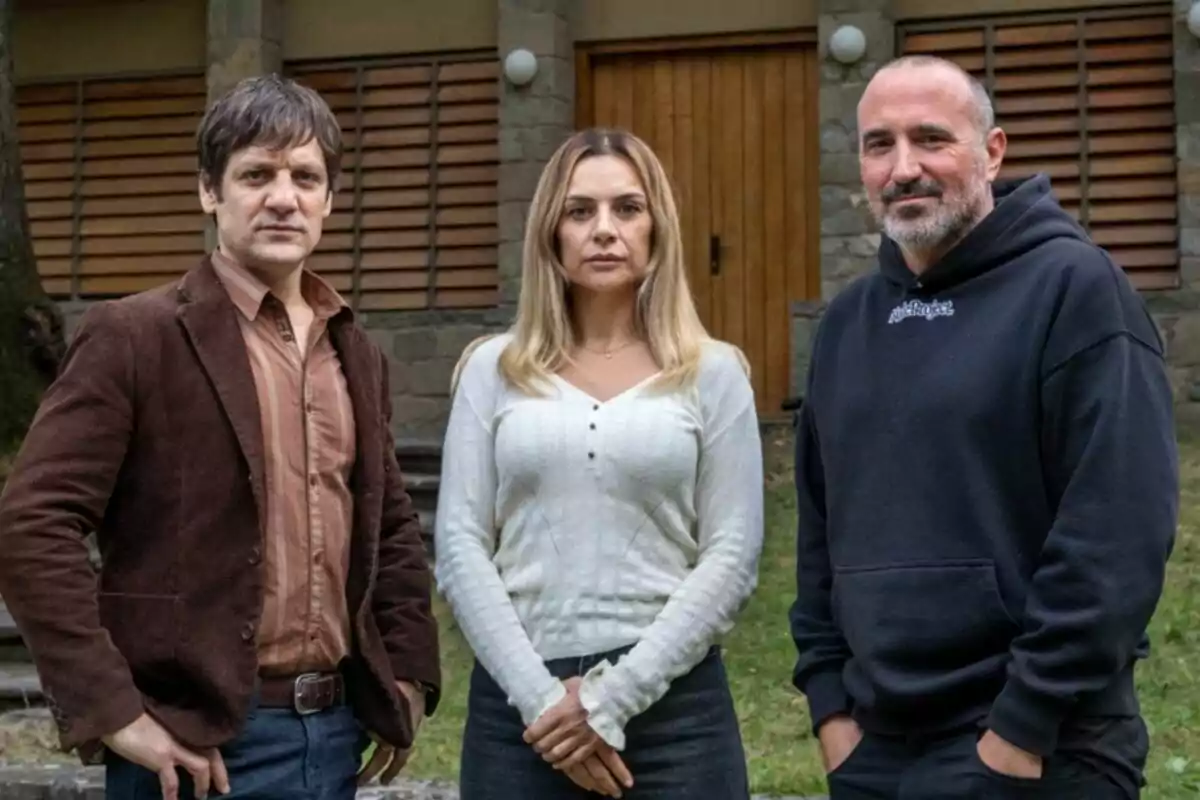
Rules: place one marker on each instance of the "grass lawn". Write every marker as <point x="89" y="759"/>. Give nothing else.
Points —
<point x="782" y="754"/>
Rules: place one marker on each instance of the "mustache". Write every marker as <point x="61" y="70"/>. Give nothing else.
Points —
<point x="911" y="189"/>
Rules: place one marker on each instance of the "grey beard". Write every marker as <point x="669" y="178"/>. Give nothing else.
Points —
<point x="937" y="231"/>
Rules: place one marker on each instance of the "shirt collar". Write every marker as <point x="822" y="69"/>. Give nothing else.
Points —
<point x="248" y="292"/>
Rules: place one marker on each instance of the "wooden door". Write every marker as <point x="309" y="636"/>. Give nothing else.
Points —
<point x="736" y="129"/>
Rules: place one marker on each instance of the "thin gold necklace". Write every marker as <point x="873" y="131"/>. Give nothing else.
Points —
<point x="608" y="351"/>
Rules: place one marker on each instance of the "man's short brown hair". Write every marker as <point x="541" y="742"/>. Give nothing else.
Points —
<point x="266" y="111"/>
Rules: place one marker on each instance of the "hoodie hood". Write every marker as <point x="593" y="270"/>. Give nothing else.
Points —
<point x="1026" y="216"/>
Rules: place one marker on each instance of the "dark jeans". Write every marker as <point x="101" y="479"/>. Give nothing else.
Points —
<point x="1096" y="760"/>
<point x="685" y="746"/>
<point x="280" y="755"/>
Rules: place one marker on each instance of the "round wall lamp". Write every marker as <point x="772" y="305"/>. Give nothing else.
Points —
<point x="1193" y="19"/>
<point x="520" y="66"/>
<point x="847" y="44"/>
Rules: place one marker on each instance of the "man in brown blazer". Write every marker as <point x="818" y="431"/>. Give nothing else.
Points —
<point x="264" y="601"/>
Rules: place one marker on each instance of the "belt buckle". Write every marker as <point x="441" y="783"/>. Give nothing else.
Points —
<point x="298" y="688"/>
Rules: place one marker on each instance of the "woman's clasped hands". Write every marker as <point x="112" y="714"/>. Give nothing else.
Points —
<point x="563" y="737"/>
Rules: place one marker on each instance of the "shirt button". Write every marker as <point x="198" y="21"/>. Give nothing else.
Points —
<point x="248" y="631"/>
<point x="312" y="480"/>
<point x="592" y="426"/>
<point x="596" y="407"/>
<point x="591" y="455"/>
<point x="255" y="555"/>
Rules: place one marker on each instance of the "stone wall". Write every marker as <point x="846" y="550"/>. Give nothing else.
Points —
<point x="1178" y="312"/>
<point x="534" y="119"/>
<point x="849" y="235"/>
<point x="422" y="349"/>
<point x="245" y="38"/>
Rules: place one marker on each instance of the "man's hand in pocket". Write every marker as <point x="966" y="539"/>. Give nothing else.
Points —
<point x="839" y="736"/>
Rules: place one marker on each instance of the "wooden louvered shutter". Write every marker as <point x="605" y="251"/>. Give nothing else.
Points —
<point x="110" y="180"/>
<point x="1089" y="100"/>
<point x="415" y="219"/>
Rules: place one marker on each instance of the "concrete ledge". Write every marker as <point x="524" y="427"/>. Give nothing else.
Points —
<point x="8" y="627"/>
<point x="87" y="783"/>
<point x="51" y="783"/>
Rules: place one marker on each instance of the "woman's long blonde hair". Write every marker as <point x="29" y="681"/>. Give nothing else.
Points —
<point x="543" y="336"/>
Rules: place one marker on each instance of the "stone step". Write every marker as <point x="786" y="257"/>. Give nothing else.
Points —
<point x="422" y="482"/>
<point x="419" y="456"/>
<point x="19" y="685"/>
<point x="15" y="653"/>
<point x="12" y="647"/>
<point x="8" y="628"/>
<point x="423" y="491"/>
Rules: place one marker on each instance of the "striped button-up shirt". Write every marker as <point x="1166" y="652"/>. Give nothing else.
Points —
<point x="309" y="447"/>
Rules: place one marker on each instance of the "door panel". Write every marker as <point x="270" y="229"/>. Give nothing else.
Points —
<point x="736" y="131"/>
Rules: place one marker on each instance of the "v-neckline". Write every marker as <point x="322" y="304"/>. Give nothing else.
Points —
<point x="619" y="395"/>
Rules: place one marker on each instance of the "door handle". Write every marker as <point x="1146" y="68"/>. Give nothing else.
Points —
<point x="714" y="254"/>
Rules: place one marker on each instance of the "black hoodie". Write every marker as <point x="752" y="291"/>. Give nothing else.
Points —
<point x="987" y="485"/>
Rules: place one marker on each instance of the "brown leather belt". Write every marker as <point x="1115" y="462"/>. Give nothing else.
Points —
<point x="305" y="694"/>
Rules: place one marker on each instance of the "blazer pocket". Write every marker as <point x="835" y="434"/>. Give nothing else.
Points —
<point x="144" y="628"/>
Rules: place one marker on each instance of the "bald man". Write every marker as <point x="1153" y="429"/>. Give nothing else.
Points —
<point x="986" y="475"/>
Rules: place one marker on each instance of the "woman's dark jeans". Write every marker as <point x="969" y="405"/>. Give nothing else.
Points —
<point x="685" y="746"/>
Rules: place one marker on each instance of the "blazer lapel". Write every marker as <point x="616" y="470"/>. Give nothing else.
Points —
<point x="207" y="314"/>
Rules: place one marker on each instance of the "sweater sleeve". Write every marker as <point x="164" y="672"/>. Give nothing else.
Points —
<point x="465" y="540"/>
<point x="729" y="510"/>
<point x="1111" y="467"/>
<point x="821" y="649"/>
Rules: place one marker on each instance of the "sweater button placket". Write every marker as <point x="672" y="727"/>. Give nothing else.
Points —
<point x="591" y="434"/>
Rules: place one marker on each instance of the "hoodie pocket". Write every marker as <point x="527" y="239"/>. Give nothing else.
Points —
<point x="920" y="629"/>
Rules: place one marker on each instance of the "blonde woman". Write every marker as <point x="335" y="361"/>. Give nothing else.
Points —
<point x="600" y="515"/>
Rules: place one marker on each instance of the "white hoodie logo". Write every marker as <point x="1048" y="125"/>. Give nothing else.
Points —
<point x="922" y="309"/>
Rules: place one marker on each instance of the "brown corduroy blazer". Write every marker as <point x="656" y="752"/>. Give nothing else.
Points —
<point x="151" y="437"/>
